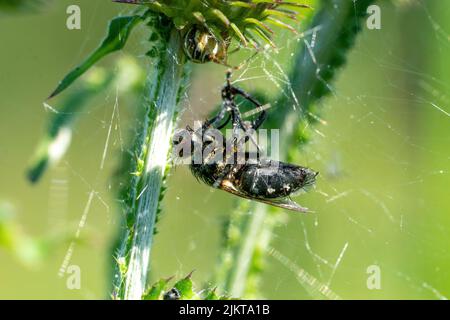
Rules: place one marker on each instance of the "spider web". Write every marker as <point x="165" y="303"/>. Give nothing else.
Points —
<point x="391" y="203"/>
<point x="377" y="199"/>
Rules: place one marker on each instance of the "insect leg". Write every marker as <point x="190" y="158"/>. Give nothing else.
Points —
<point x="262" y="116"/>
<point x="225" y="123"/>
<point x="228" y="93"/>
<point x="216" y="120"/>
<point x="239" y="123"/>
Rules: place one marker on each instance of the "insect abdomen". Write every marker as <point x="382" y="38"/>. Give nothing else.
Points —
<point x="200" y="46"/>
<point x="273" y="179"/>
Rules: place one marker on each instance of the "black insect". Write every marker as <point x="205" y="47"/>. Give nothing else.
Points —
<point x="253" y="177"/>
<point x="172" y="294"/>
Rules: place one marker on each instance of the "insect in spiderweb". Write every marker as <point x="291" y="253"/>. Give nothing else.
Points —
<point x="244" y="174"/>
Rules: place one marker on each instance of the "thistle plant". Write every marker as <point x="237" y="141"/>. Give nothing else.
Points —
<point x="181" y="32"/>
<point x="144" y="192"/>
<point x="143" y="189"/>
<point x="247" y="21"/>
<point x="182" y="289"/>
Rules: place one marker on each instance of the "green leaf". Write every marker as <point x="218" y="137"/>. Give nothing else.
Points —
<point x="118" y="33"/>
<point x="59" y="133"/>
<point x="212" y="295"/>
<point x="155" y="291"/>
<point x="184" y="286"/>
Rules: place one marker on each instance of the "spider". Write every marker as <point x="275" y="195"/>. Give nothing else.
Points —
<point x="201" y="45"/>
<point x="255" y="178"/>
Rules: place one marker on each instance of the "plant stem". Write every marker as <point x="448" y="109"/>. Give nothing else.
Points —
<point x="142" y="199"/>
<point x="238" y="276"/>
<point x="155" y="166"/>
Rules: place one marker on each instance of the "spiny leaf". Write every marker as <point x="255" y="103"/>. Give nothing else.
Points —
<point x="212" y="295"/>
<point x="155" y="292"/>
<point x="57" y="139"/>
<point x="118" y="33"/>
<point x="181" y="290"/>
<point x="184" y="286"/>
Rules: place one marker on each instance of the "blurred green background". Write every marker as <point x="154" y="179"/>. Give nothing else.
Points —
<point x="382" y="197"/>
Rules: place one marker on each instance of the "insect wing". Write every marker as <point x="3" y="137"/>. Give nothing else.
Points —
<point x="284" y="203"/>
